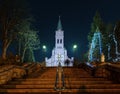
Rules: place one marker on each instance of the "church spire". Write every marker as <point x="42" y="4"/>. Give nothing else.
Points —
<point x="59" y="27"/>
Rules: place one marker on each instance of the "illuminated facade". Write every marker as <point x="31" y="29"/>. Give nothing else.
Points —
<point x="59" y="53"/>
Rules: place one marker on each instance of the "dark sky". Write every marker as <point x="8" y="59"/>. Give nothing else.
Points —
<point x="76" y="17"/>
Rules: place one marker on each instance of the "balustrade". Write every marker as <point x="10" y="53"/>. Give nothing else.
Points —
<point x="109" y="71"/>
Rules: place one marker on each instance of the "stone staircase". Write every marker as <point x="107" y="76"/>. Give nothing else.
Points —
<point x="40" y="81"/>
<point x="77" y="81"/>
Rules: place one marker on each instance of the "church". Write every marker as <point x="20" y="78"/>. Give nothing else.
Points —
<point x="59" y="53"/>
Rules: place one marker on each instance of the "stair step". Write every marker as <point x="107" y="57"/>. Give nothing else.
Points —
<point x="93" y="86"/>
<point x="93" y="91"/>
<point x="72" y="86"/>
<point x="88" y="82"/>
<point x="66" y="82"/>
<point x="18" y="91"/>
<point x="35" y="79"/>
<point x="29" y="86"/>
<point x="53" y="79"/>
<point x="86" y="79"/>
<point x="66" y="91"/>
<point x="32" y="83"/>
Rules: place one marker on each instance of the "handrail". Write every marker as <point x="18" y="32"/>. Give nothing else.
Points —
<point x="56" y="81"/>
<point x="60" y="88"/>
<point x="63" y="82"/>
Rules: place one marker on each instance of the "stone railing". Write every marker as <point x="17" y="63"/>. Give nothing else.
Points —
<point x="7" y="73"/>
<point x="107" y="70"/>
<point x="113" y="72"/>
<point x="87" y="67"/>
<point x="10" y="73"/>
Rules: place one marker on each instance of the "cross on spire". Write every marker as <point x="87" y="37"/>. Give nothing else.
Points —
<point x="59" y="27"/>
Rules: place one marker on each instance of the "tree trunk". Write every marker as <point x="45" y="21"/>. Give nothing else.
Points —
<point x="5" y="46"/>
<point x="30" y="56"/>
<point x="23" y="55"/>
<point x="4" y="50"/>
<point x="19" y="48"/>
<point x="32" y="53"/>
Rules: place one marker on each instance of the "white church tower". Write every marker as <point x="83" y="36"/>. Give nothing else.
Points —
<point x="59" y="53"/>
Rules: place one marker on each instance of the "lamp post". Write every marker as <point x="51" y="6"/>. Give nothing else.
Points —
<point x="74" y="48"/>
<point x="44" y="48"/>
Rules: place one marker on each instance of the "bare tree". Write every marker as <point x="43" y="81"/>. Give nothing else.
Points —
<point x="11" y="13"/>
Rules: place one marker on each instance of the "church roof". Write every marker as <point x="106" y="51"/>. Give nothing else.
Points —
<point x="59" y="27"/>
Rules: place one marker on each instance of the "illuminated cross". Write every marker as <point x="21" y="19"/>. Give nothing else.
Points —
<point x="59" y="56"/>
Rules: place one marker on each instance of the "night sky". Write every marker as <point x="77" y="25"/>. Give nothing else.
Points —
<point x="76" y="17"/>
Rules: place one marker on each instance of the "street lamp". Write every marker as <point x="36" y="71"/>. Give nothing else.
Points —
<point x="74" y="49"/>
<point x="74" y="46"/>
<point x="44" y="47"/>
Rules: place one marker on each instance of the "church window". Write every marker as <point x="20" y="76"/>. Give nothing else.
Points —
<point x="57" y="40"/>
<point x="60" y="40"/>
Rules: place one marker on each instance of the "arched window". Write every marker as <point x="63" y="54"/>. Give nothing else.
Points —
<point x="57" y="40"/>
<point x="61" y="41"/>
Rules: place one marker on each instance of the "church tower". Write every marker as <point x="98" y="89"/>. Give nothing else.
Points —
<point x="59" y="36"/>
<point x="59" y="53"/>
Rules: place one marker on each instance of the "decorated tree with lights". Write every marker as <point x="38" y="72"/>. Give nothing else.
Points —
<point x="11" y="14"/>
<point x="105" y="30"/>
<point x="28" y="41"/>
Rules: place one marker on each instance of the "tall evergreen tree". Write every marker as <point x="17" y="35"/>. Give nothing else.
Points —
<point x="97" y="23"/>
